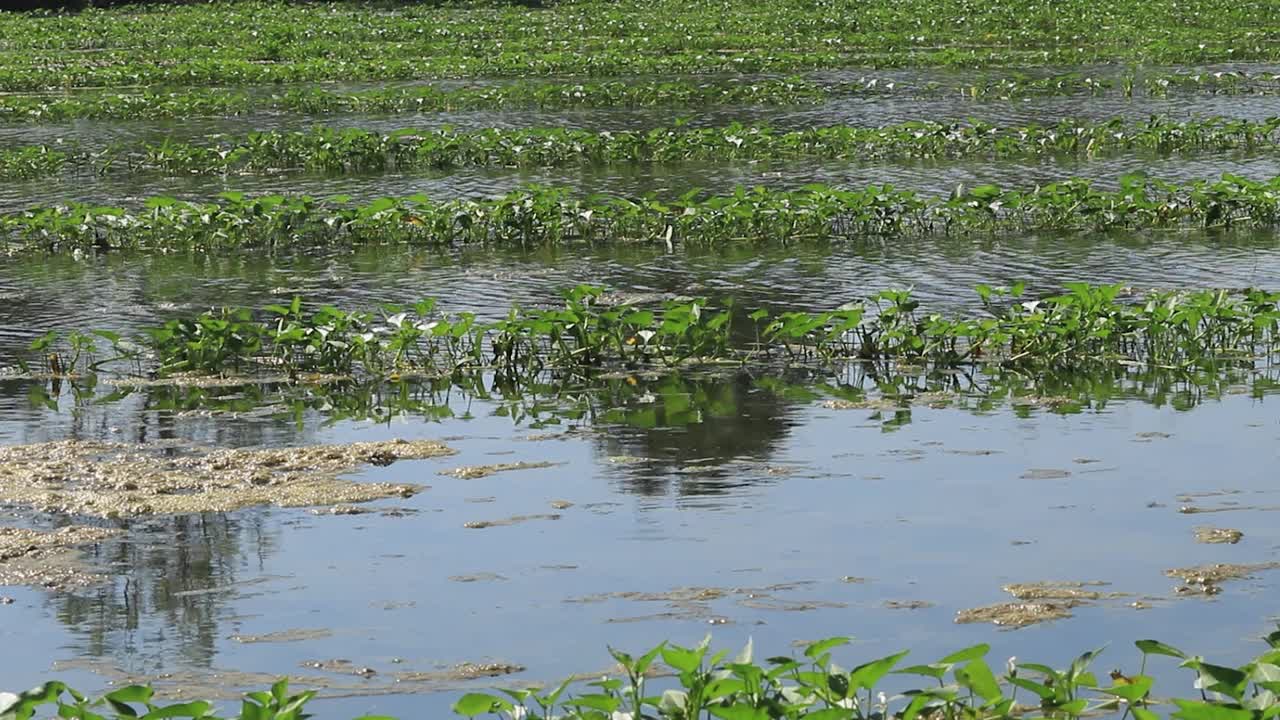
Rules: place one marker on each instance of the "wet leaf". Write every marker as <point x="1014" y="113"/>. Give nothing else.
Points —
<point x="474" y="704"/>
<point x="1193" y="710"/>
<point x="1155" y="647"/>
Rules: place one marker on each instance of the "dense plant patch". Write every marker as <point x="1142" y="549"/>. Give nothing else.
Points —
<point x="270" y="42"/>
<point x="1086" y="324"/>
<point x="534" y="216"/>
<point x="330" y="150"/>
<point x="640" y="92"/>
<point x="703" y="684"/>
<point x="418" y="98"/>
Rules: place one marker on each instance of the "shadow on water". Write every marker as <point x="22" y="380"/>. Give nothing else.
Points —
<point x="665" y="433"/>
<point x="173" y="580"/>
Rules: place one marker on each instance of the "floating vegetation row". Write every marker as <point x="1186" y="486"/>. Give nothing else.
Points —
<point x="962" y="684"/>
<point x="264" y="42"/>
<point x="353" y="149"/>
<point x="39" y="74"/>
<point x="1085" y="325"/>
<point x="152" y="104"/>
<point x="1128" y="84"/>
<point x="221" y="102"/>
<point x="535" y="216"/>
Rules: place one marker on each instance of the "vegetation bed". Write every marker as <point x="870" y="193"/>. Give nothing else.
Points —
<point x="1086" y="324"/>
<point x="270" y="42"/>
<point x="538" y="216"/>
<point x="355" y="150"/>
<point x="683" y="683"/>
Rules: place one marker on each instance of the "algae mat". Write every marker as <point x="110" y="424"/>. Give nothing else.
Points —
<point x="114" y="480"/>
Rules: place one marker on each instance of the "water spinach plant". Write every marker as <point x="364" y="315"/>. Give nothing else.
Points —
<point x="538" y="216"/>
<point x="1086" y="325"/>
<point x="671" y="682"/>
<point x="221" y="102"/>
<point x="151" y="104"/>
<point x="220" y="44"/>
<point x="353" y="149"/>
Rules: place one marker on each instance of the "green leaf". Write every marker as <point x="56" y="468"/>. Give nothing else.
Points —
<point x="1044" y="691"/>
<point x="197" y="709"/>
<point x="473" y="704"/>
<point x="977" y="676"/>
<point x="972" y="652"/>
<point x="1219" y="678"/>
<point x="131" y="694"/>
<point x="681" y="659"/>
<point x="1075" y="707"/>
<point x="866" y="676"/>
<point x="1155" y="647"/>
<point x="722" y="688"/>
<point x="603" y="703"/>
<point x="280" y="690"/>
<point x="915" y="706"/>
<point x="1194" y="710"/>
<point x="121" y="709"/>
<point x="814" y="650"/>
<point x="1132" y="692"/>
<point x="1143" y="714"/>
<point x="251" y="711"/>
<point x="933" y="671"/>
<point x="644" y="661"/>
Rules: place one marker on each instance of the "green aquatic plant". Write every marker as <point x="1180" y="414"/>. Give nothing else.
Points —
<point x="1086" y="325"/>
<point x="539" y="216"/>
<point x="356" y="150"/>
<point x="225" y="43"/>
<point x="962" y="685"/>
<point x="31" y="162"/>
<point x="125" y="104"/>
<point x="811" y="686"/>
<point x="137" y="701"/>
<point x="221" y="102"/>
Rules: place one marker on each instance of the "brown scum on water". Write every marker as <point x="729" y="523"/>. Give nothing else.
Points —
<point x="472" y="472"/>
<point x="337" y="677"/>
<point x="1036" y="602"/>
<point x="1017" y="614"/>
<point x="47" y="559"/>
<point x="114" y="480"/>
<point x="1218" y="536"/>
<point x="1208" y="579"/>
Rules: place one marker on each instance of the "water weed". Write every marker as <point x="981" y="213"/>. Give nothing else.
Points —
<point x="265" y="42"/>
<point x="702" y="683"/>
<point x="356" y="150"/>
<point x="1084" y="325"/>
<point x="154" y="104"/>
<point x="31" y="162"/>
<point x="539" y="216"/>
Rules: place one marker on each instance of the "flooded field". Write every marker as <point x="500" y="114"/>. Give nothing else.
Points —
<point x="723" y="505"/>
<point x="397" y="532"/>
